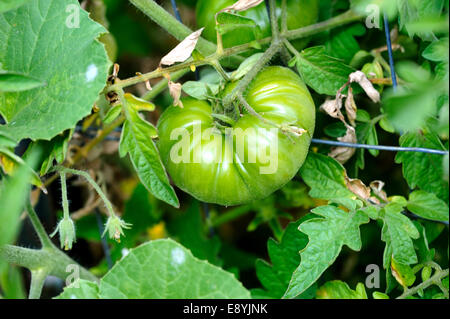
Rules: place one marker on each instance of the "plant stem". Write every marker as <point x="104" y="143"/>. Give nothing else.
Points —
<point x="344" y="18"/>
<point x="97" y="188"/>
<point x="434" y="280"/>
<point x="51" y="259"/>
<point x="230" y="215"/>
<point x="65" y="201"/>
<point x="37" y="283"/>
<point x="274" y="20"/>
<point x="177" y="29"/>
<point x="42" y="234"/>
<point x="284" y="27"/>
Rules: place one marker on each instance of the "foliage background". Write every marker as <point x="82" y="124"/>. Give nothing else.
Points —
<point x="240" y="244"/>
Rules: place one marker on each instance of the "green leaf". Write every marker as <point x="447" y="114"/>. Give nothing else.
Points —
<point x="409" y="110"/>
<point x="6" y="5"/>
<point x="428" y="205"/>
<point x="80" y="289"/>
<point x="170" y="272"/>
<point x="137" y="140"/>
<point x="228" y="22"/>
<point x="200" y="90"/>
<point x="323" y="73"/>
<point x="423" y="170"/>
<point x="343" y="44"/>
<point x="327" y="236"/>
<point x="326" y="177"/>
<point x="189" y="230"/>
<point x="337" y="289"/>
<point x="437" y="51"/>
<point x="416" y="11"/>
<point x="285" y="259"/>
<point x="398" y="232"/>
<point x="70" y="60"/>
<point x="13" y="82"/>
<point x="13" y="193"/>
<point x="403" y="273"/>
<point x="53" y="150"/>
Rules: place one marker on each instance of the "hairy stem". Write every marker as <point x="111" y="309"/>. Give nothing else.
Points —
<point x="37" y="283"/>
<point x="51" y="259"/>
<point x="177" y="29"/>
<point x="434" y="280"/>
<point x="97" y="188"/>
<point x="65" y="201"/>
<point x="42" y="234"/>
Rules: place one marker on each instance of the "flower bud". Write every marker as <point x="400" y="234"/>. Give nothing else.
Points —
<point x="67" y="236"/>
<point x="114" y="226"/>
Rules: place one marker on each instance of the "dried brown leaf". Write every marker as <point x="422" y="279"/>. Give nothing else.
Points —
<point x="333" y="108"/>
<point x="175" y="92"/>
<point x="182" y="51"/>
<point x="377" y="188"/>
<point x="357" y="187"/>
<point x="360" y="78"/>
<point x="343" y="154"/>
<point x="242" y="5"/>
<point x="350" y="107"/>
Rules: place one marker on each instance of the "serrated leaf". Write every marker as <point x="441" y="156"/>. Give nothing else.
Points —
<point x="170" y="272"/>
<point x="80" y="289"/>
<point x="398" y="232"/>
<point x="428" y="205"/>
<point x="13" y="82"/>
<point x="327" y="236"/>
<point x="437" y="51"/>
<point x="337" y="289"/>
<point x="423" y="170"/>
<point x="326" y="178"/>
<point x="343" y="44"/>
<point x="136" y="139"/>
<point x="285" y="258"/>
<point x="69" y="59"/>
<point x="323" y="73"/>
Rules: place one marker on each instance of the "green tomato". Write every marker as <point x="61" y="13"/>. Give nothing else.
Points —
<point x="251" y="158"/>
<point x="300" y="13"/>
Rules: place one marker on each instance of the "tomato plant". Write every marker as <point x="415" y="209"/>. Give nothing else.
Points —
<point x="192" y="149"/>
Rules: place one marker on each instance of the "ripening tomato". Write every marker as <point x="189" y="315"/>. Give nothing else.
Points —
<point x="248" y="159"/>
<point x="300" y="13"/>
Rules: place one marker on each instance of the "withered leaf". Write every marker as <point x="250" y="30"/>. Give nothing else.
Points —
<point x="242" y="5"/>
<point x="175" y="92"/>
<point x="360" y="78"/>
<point x="343" y="154"/>
<point x="182" y="51"/>
<point x="377" y="188"/>
<point x="357" y="187"/>
<point x="350" y="107"/>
